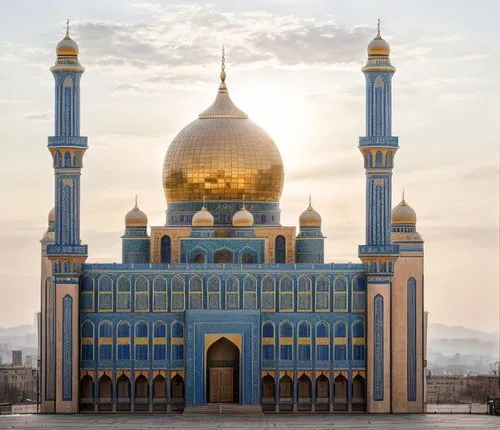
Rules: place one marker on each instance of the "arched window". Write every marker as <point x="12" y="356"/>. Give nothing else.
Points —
<point x="213" y="288"/>
<point x="322" y="294"/>
<point x="87" y="341"/>
<point x="196" y="293"/>
<point x="123" y="340"/>
<point x="198" y="257"/>
<point x="104" y="388"/>
<point x="358" y="293"/>
<point x="370" y="159"/>
<point x="358" y="329"/>
<point x="223" y="256"/>
<point x="249" y="293"/>
<point x="141" y="389"/>
<point x="141" y="293"/>
<point x="247" y="258"/>
<point x="304" y="341"/>
<point x="160" y="341"/>
<point x="358" y="347"/>
<point x="341" y="387"/>
<point x="286" y="341"/>
<point x="322" y="387"/>
<point x="286" y="294"/>
<point x="105" y="341"/>
<point x="268" y="389"/>
<point x="123" y="294"/>
<point x="268" y="294"/>
<point x="304" y="294"/>
<point x="379" y="159"/>
<point x="268" y="341"/>
<point x="165" y="249"/>
<point x="388" y="159"/>
<point x="177" y="294"/>
<point x="177" y="389"/>
<point x="280" y="249"/>
<point x="87" y="294"/>
<point x="340" y="294"/>
<point x="341" y="341"/>
<point x="304" y="387"/>
<point x="159" y="387"/>
<point x="67" y="159"/>
<point x="105" y="295"/>
<point x="286" y="386"/>
<point x="87" y="388"/>
<point x="177" y="341"/>
<point x="160" y="302"/>
<point x="322" y="341"/>
<point x="123" y="388"/>
<point x="358" y="389"/>
<point x="141" y="341"/>
<point x="232" y="292"/>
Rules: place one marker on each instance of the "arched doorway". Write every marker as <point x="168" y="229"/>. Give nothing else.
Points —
<point x="223" y="256"/>
<point x="223" y="372"/>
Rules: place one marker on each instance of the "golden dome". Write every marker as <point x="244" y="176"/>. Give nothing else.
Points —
<point x="203" y="218"/>
<point x="67" y="47"/>
<point x="310" y="218"/>
<point x="243" y="218"/>
<point x="378" y="46"/>
<point x="52" y="215"/>
<point x="136" y="217"/>
<point x="222" y="155"/>
<point x="403" y="214"/>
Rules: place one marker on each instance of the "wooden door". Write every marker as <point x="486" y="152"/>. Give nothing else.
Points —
<point x="221" y="385"/>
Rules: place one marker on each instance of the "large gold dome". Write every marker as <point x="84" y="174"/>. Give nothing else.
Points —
<point x="223" y="155"/>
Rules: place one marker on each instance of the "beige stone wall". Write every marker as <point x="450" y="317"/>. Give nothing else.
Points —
<point x="380" y="406"/>
<point x="61" y="291"/>
<point x="408" y="265"/>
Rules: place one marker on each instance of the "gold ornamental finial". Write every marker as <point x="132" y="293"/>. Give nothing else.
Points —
<point x="223" y="66"/>
<point x="378" y="30"/>
<point x="310" y="204"/>
<point x="136" y="206"/>
<point x="403" y="193"/>
<point x="67" y="28"/>
<point x="204" y="201"/>
<point x="243" y="200"/>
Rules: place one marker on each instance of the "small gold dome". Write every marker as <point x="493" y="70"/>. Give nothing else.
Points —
<point x="136" y="217"/>
<point x="310" y="218"/>
<point x="48" y="236"/>
<point x="243" y="218"/>
<point x="378" y="46"/>
<point x="403" y="214"/>
<point x="203" y="218"/>
<point x="52" y="215"/>
<point x="222" y="155"/>
<point x="67" y="47"/>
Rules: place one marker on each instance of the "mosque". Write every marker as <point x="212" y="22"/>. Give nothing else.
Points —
<point x="222" y="303"/>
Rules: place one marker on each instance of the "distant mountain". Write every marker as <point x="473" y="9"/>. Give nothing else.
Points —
<point x="19" y="330"/>
<point x="442" y="331"/>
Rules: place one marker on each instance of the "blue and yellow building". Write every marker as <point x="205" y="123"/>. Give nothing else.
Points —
<point x="222" y="303"/>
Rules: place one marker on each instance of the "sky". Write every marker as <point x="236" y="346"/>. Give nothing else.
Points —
<point x="294" y="68"/>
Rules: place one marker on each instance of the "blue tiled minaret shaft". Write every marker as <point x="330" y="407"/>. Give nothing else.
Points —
<point x="378" y="254"/>
<point x="67" y="253"/>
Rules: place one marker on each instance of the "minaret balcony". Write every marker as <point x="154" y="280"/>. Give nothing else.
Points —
<point x="378" y="141"/>
<point x="68" y="141"/>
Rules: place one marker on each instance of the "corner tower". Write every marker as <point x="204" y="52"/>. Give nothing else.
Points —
<point x="67" y="253"/>
<point x="378" y="254"/>
<point x="407" y="296"/>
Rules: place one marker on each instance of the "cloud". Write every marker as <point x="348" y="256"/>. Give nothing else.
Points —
<point x="39" y="116"/>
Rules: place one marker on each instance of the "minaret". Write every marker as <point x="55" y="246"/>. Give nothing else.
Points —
<point x="135" y="241"/>
<point x="310" y="243"/>
<point x="67" y="253"/>
<point x="378" y="254"/>
<point x="408" y="328"/>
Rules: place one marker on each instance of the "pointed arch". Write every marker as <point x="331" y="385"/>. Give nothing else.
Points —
<point x="304" y="298"/>
<point x="123" y="388"/>
<point x="104" y="389"/>
<point x="105" y="294"/>
<point x="87" y="341"/>
<point x="268" y="294"/>
<point x="86" y="389"/>
<point x="322" y="341"/>
<point x="165" y="252"/>
<point x="304" y="388"/>
<point x="340" y="333"/>
<point x="358" y="293"/>
<point x="280" y="249"/>
<point x="232" y="292"/>
<point x="141" y="298"/>
<point x="141" y="389"/>
<point x="214" y="293"/>
<point x="105" y="340"/>
<point x="123" y="293"/>
<point x="268" y="341"/>
<point x="159" y="387"/>
<point x="177" y="341"/>
<point x="249" y="292"/>
<point x="268" y="391"/>
<point x="340" y="293"/>
<point x="141" y="340"/>
<point x="87" y="294"/>
<point x="322" y="294"/>
<point x="379" y="159"/>
<point x="223" y="256"/>
<point x="286" y="302"/>
<point x="286" y="388"/>
<point x="160" y="294"/>
<point x="304" y="349"/>
<point x="123" y="340"/>
<point x="286" y="340"/>
<point x="196" y="292"/>
<point x="322" y="389"/>
<point x="198" y="255"/>
<point x="248" y="256"/>
<point x="178" y="294"/>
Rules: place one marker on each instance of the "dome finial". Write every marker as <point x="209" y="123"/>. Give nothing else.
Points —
<point x="243" y="202"/>
<point x="204" y="202"/>
<point x="310" y="204"/>
<point x="378" y="30"/>
<point x="136" y="206"/>
<point x="223" y="66"/>
<point x="403" y="197"/>
<point x="67" y="28"/>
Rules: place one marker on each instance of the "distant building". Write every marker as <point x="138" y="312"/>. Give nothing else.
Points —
<point x="21" y="378"/>
<point x="456" y="388"/>
<point x="28" y="361"/>
<point x="17" y="358"/>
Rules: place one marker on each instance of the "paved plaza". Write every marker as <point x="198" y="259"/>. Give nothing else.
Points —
<point x="230" y="422"/>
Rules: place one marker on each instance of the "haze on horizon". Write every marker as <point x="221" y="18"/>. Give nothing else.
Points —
<point x="294" y="68"/>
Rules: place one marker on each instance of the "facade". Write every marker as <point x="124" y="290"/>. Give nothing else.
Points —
<point x="462" y="388"/>
<point x="17" y="358"/>
<point x="223" y="303"/>
<point x="17" y="383"/>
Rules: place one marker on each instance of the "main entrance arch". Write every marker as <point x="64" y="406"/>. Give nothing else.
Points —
<point x="223" y="372"/>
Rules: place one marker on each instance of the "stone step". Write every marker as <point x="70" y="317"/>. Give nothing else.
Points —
<point x="223" y="408"/>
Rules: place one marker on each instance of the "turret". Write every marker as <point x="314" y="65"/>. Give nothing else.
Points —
<point x="202" y="223"/>
<point x="310" y="243"/>
<point x="135" y="240"/>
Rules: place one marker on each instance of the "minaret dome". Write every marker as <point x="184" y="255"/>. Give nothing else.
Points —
<point x="243" y="218"/>
<point x="67" y="47"/>
<point x="136" y="217"/>
<point x="310" y="218"/>
<point x="203" y="218"/>
<point x="378" y="46"/>
<point x="403" y="214"/>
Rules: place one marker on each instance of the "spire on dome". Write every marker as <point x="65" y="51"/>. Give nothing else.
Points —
<point x="378" y="46"/>
<point x="378" y="36"/>
<point x="136" y="206"/>
<point x="67" y="28"/>
<point x="223" y="66"/>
